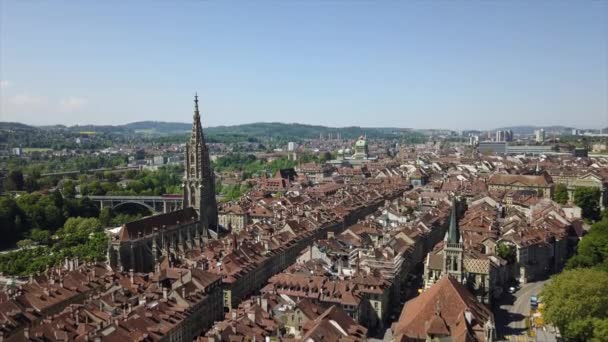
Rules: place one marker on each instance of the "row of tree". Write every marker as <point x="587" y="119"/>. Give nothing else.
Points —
<point x="249" y="165"/>
<point x="588" y="199"/>
<point x="79" y="237"/>
<point x="29" y="214"/>
<point x="167" y="179"/>
<point x="577" y="299"/>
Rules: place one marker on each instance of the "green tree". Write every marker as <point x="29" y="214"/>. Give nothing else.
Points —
<point x="576" y="301"/>
<point x="68" y="189"/>
<point x="218" y="187"/>
<point x="11" y="222"/>
<point x="105" y="217"/>
<point x="589" y="200"/>
<point x="592" y="250"/>
<point x="325" y="156"/>
<point x="40" y="236"/>
<point x="31" y="184"/>
<point x="506" y="252"/>
<point x="25" y="243"/>
<point x="560" y="195"/>
<point x="121" y="219"/>
<point x="14" y="181"/>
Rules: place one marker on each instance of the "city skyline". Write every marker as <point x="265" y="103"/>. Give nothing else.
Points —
<point x="419" y="65"/>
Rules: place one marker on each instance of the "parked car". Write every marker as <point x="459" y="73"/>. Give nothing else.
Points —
<point x="534" y="302"/>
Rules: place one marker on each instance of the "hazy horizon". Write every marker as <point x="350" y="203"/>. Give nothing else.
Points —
<point x="422" y="65"/>
<point x="313" y="124"/>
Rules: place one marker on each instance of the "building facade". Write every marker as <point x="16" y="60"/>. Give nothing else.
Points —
<point x="542" y="185"/>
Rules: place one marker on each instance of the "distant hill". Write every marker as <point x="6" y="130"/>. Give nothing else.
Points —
<point x="13" y="126"/>
<point x="262" y="129"/>
<point x="277" y="129"/>
<point x="158" y="127"/>
<point x="258" y="129"/>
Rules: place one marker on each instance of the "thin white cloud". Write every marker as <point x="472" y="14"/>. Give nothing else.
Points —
<point x="22" y="107"/>
<point x="4" y="84"/>
<point x="72" y="103"/>
<point x="24" y="101"/>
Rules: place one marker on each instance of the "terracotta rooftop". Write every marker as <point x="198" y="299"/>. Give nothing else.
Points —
<point x="445" y="306"/>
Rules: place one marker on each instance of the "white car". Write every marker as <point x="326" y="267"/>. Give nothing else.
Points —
<point x="512" y="289"/>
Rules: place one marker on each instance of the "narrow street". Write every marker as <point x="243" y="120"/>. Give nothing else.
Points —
<point x="512" y="311"/>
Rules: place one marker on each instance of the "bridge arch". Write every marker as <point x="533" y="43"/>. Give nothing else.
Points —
<point x="140" y="203"/>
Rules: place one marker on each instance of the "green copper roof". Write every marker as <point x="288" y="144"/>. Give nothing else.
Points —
<point x="361" y="143"/>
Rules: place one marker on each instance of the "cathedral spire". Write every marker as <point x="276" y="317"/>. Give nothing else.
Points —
<point x="196" y="112"/>
<point x="453" y="232"/>
<point x="199" y="180"/>
<point x="197" y="129"/>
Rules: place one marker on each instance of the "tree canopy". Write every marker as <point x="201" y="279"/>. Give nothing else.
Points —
<point x="592" y="250"/>
<point x="589" y="201"/>
<point x="31" y="213"/>
<point x="576" y="301"/>
<point x="560" y="195"/>
<point x="80" y="237"/>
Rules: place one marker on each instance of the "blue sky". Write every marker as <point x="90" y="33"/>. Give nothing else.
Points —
<point x="421" y="64"/>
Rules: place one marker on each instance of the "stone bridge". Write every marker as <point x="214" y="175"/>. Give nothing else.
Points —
<point x="156" y="204"/>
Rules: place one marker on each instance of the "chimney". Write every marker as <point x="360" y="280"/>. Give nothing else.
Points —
<point x="183" y="292"/>
<point x="26" y="333"/>
<point x="164" y="292"/>
<point x="130" y="308"/>
<point x="265" y="304"/>
<point x="468" y="315"/>
<point x="251" y="316"/>
<point x="131" y="275"/>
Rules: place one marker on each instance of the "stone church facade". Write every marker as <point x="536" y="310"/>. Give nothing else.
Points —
<point x="474" y="270"/>
<point x="141" y="244"/>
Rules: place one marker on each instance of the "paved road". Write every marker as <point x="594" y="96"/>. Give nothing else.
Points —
<point x="546" y="335"/>
<point x="514" y="308"/>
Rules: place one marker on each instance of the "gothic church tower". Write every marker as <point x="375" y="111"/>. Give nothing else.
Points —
<point x="199" y="180"/>
<point x="453" y="248"/>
